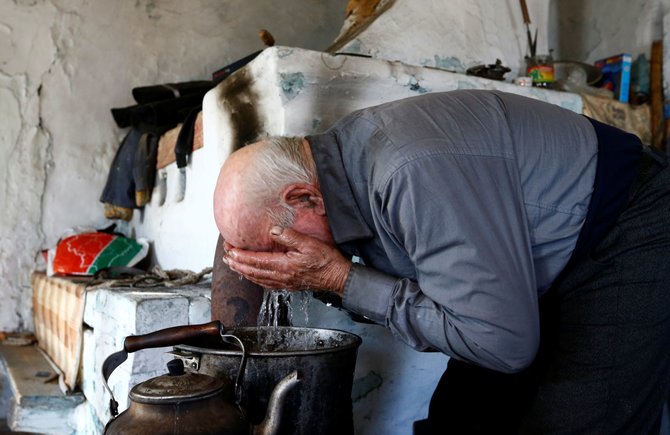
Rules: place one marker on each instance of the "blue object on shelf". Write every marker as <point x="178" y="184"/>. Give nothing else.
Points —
<point x="616" y="75"/>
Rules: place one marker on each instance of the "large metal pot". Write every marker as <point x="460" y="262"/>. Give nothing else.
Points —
<point x="325" y="358"/>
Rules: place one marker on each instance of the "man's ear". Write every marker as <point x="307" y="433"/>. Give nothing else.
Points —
<point x="301" y="195"/>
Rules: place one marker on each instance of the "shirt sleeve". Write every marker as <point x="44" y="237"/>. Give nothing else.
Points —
<point x="460" y="220"/>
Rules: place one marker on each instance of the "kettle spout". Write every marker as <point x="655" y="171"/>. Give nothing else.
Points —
<point x="270" y="425"/>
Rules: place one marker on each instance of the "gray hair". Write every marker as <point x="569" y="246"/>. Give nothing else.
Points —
<point x="280" y="162"/>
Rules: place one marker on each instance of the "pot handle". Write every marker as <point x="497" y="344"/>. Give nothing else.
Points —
<point x="172" y="336"/>
<point x="235" y="340"/>
<point x="161" y="338"/>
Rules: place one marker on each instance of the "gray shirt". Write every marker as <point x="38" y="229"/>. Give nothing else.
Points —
<point x="464" y="207"/>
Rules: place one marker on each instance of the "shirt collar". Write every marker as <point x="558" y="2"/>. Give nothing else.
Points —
<point x="344" y="217"/>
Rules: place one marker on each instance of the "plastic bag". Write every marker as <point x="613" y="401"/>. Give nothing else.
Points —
<point x="87" y="253"/>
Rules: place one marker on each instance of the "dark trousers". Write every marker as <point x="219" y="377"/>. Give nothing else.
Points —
<point x="604" y="361"/>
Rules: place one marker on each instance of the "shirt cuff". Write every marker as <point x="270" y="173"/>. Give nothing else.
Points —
<point x="368" y="292"/>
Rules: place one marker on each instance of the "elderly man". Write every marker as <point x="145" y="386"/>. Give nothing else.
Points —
<point x="525" y="241"/>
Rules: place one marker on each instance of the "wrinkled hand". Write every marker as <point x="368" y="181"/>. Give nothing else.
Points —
<point x="308" y="264"/>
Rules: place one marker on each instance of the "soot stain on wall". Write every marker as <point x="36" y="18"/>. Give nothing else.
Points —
<point x="241" y="101"/>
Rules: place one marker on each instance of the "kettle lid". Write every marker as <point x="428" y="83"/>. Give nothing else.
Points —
<point x="176" y="386"/>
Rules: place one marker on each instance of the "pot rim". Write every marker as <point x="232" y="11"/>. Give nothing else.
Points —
<point x="355" y="343"/>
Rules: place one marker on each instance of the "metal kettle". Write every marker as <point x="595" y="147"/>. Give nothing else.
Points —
<point x="188" y="403"/>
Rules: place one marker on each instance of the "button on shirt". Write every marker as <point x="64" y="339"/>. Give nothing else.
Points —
<point x="464" y="207"/>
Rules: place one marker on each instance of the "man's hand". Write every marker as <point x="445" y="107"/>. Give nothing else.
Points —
<point x="308" y="264"/>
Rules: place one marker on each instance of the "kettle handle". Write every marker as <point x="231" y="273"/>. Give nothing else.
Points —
<point x="161" y="338"/>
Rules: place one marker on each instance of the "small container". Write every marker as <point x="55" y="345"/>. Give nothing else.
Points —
<point x="540" y="69"/>
<point x="524" y="81"/>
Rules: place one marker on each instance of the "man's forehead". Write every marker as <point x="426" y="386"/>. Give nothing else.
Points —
<point x="246" y="231"/>
<point x="241" y="224"/>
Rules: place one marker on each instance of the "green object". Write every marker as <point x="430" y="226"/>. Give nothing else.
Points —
<point x="639" y="82"/>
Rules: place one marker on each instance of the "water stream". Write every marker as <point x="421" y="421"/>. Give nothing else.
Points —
<point x="276" y="309"/>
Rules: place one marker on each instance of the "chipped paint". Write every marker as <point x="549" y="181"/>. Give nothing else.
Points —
<point x="449" y="63"/>
<point x="284" y="52"/>
<point x="414" y="85"/>
<point x="291" y="84"/>
<point x="365" y="385"/>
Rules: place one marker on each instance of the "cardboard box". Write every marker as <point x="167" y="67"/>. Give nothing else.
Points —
<point x="616" y="75"/>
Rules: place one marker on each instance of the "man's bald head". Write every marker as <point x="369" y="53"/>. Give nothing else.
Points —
<point x="231" y="200"/>
<point x="248" y="196"/>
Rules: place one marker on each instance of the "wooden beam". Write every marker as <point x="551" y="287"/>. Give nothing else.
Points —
<point x="657" y="121"/>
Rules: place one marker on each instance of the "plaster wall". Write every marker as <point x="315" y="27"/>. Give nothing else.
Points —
<point x="588" y="30"/>
<point x="467" y="33"/>
<point x="65" y="63"/>
<point x="454" y="34"/>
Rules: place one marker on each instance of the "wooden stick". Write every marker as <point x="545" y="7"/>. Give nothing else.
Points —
<point x="524" y="11"/>
<point x="656" y="78"/>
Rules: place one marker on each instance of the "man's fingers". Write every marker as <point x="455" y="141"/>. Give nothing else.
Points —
<point x="263" y="260"/>
<point x="303" y="265"/>
<point x="289" y="237"/>
<point x="265" y="278"/>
